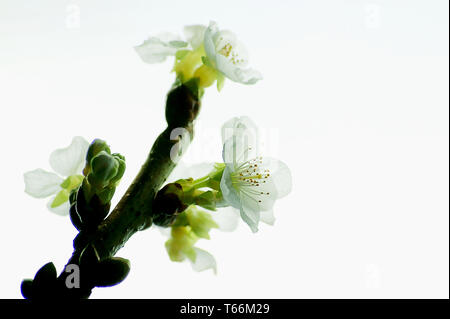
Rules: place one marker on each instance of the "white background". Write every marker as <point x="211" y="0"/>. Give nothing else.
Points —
<point x="354" y="100"/>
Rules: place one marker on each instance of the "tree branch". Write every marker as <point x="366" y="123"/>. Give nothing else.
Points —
<point x="134" y="212"/>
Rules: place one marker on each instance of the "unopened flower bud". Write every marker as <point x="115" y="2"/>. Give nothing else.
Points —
<point x="182" y="105"/>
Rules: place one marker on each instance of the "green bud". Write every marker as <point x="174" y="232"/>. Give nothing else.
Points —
<point x="183" y="104"/>
<point x="111" y="272"/>
<point x="96" y="147"/>
<point x="44" y="283"/>
<point x="104" y="167"/>
<point x="121" y="169"/>
<point x="26" y="288"/>
<point x="168" y="203"/>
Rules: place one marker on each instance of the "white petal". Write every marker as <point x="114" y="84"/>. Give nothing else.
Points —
<point x="195" y="35"/>
<point x="247" y="76"/>
<point x="239" y="126"/>
<point x="204" y="261"/>
<point x="267" y="217"/>
<point x="210" y="47"/>
<point x="280" y="176"/>
<point x="40" y="183"/>
<point x="239" y="149"/>
<point x="229" y="192"/>
<point x="70" y="160"/>
<point x="235" y="72"/>
<point x="264" y="195"/>
<point x="250" y="214"/>
<point x="61" y="210"/>
<point x="227" y="218"/>
<point x="225" y="66"/>
<point x="157" y="49"/>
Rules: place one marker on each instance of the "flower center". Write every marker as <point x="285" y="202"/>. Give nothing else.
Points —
<point x="226" y="50"/>
<point x="250" y="176"/>
<point x="230" y="49"/>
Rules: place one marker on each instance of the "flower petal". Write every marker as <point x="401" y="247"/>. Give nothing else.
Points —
<point x="204" y="261"/>
<point x="70" y="160"/>
<point x="230" y="194"/>
<point x="195" y="35"/>
<point x="247" y="76"/>
<point x="210" y="47"/>
<point x="266" y="216"/>
<point x="235" y="72"/>
<point x="250" y="214"/>
<point x="156" y="49"/>
<point x="40" y="183"/>
<point x="239" y="126"/>
<point x="61" y="210"/>
<point x="227" y="218"/>
<point x="280" y="176"/>
<point x="239" y="148"/>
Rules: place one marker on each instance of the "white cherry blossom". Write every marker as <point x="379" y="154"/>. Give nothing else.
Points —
<point x="228" y="55"/>
<point x="251" y="183"/>
<point x="67" y="164"/>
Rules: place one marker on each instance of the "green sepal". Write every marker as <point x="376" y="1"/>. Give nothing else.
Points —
<point x="106" y="195"/>
<point x="61" y="198"/>
<point x="206" y="61"/>
<point x="181" y="54"/>
<point x="206" y="200"/>
<point x="220" y="81"/>
<point x="72" y="182"/>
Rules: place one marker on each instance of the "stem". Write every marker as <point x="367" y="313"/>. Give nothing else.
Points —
<point x="201" y="182"/>
<point x="134" y="211"/>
